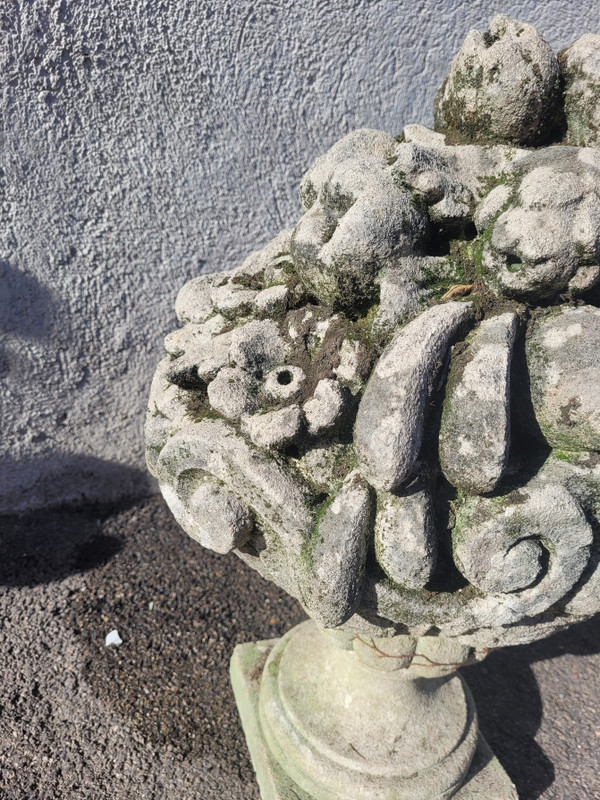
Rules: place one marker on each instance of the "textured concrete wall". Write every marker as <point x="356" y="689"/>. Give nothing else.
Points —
<point x="143" y="143"/>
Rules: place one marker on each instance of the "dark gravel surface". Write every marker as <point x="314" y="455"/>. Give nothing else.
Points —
<point x="155" y="717"/>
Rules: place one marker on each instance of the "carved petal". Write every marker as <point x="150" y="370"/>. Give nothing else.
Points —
<point x="389" y="423"/>
<point x="475" y="430"/>
<point x="335" y="555"/>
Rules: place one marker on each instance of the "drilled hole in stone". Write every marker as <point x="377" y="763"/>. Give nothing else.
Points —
<point x="284" y="378"/>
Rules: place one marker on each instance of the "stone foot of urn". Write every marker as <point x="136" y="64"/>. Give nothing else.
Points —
<point x="393" y="412"/>
<point x="332" y="717"/>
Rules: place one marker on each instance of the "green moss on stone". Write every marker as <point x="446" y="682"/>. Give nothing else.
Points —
<point x="274" y="668"/>
<point x="157" y="412"/>
<point x="488" y="183"/>
<point x="315" y="537"/>
<point x="566" y="455"/>
<point x="255" y="282"/>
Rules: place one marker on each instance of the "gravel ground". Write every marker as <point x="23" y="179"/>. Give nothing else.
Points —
<point x="155" y="717"/>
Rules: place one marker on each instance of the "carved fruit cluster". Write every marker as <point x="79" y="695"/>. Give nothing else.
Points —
<point x="392" y="409"/>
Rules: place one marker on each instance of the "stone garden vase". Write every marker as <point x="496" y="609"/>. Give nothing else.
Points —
<point x="393" y="411"/>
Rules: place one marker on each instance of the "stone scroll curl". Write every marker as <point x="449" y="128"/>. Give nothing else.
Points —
<point x="393" y="409"/>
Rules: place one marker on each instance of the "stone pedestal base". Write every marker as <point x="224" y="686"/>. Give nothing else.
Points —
<point x="484" y="780"/>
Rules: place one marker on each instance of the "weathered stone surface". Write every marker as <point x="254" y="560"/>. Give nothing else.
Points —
<point x="485" y="778"/>
<point x="427" y="171"/>
<point x="405" y="288"/>
<point x="196" y="353"/>
<point x="492" y="205"/>
<point x="563" y="355"/>
<point x="405" y="538"/>
<point x="211" y="514"/>
<point x="325" y="463"/>
<point x="313" y="328"/>
<point x="581" y="69"/>
<point x="370" y="426"/>
<point x="420" y="134"/>
<point x="167" y="412"/>
<point x="193" y="303"/>
<point x="215" y="325"/>
<point x="492" y="619"/>
<point x="502" y="85"/>
<point x="257" y="346"/>
<point x="481" y="167"/>
<point x="233" y="393"/>
<point x="274" y="428"/>
<point x="283" y="382"/>
<point x="335" y="555"/>
<point x="270" y="257"/>
<point x="546" y="233"/>
<point x="279" y="500"/>
<point x="400" y="298"/>
<point x="389" y="424"/>
<point x="353" y="364"/>
<point x="272" y="300"/>
<point x="335" y="708"/>
<point x="475" y="430"/>
<point x="232" y="299"/>
<point x="357" y="219"/>
<point x="325" y="408"/>
<point x="499" y="545"/>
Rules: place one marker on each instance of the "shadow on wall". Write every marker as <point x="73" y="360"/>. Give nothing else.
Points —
<point x="26" y="309"/>
<point x="27" y="315"/>
<point x="26" y="305"/>
<point x="89" y="480"/>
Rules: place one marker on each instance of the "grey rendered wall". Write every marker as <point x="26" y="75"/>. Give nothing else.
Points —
<point x="143" y="143"/>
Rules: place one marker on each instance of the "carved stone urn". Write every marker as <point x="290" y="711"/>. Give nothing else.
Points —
<point x="393" y="412"/>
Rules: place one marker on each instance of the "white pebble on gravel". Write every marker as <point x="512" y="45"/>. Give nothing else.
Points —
<point x="113" y="638"/>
